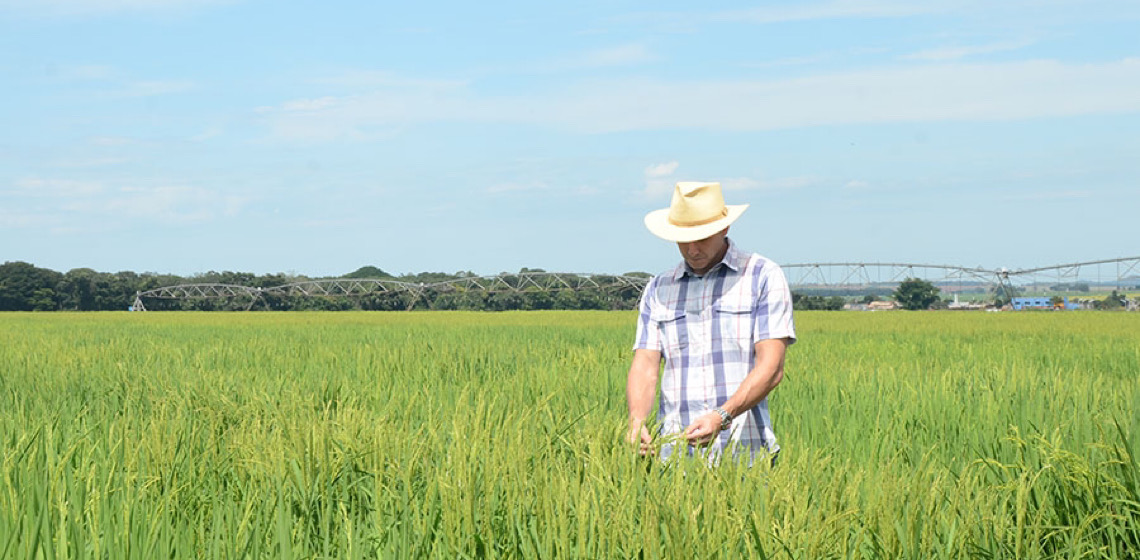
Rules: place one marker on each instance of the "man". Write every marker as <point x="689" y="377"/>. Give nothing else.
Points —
<point x="721" y="320"/>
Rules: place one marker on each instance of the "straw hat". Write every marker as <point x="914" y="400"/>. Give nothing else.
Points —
<point x="697" y="211"/>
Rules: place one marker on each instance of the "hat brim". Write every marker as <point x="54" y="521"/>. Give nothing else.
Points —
<point x="658" y="223"/>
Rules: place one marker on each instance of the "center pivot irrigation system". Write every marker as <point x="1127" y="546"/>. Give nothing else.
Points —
<point x="851" y="277"/>
<point x="358" y="287"/>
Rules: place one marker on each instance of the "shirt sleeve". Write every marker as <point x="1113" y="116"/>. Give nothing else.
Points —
<point x="773" y="307"/>
<point x="648" y="335"/>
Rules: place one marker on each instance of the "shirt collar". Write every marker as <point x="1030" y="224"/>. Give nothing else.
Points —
<point x="734" y="259"/>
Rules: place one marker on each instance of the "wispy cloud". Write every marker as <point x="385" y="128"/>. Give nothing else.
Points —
<point x="207" y="134"/>
<point x="151" y="88"/>
<point x="661" y="169"/>
<point x="1047" y="196"/>
<point x="85" y="203"/>
<point x="17" y="219"/>
<point x="370" y="79"/>
<point x="941" y="54"/>
<point x="691" y="20"/>
<point x="922" y="93"/>
<point x="80" y="163"/>
<point x="502" y="188"/>
<point x="97" y="7"/>
<point x="658" y="179"/>
<point x="56" y="188"/>
<point x="108" y="81"/>
<point x="748" y="183"/>
<point x="837" y="9"/>
<point x="659" y="184"/>
<point x="109" y="141"/>
<point x="84" y="72"/>
<point x="173" y="204"/>
<point x="621" y="55"/>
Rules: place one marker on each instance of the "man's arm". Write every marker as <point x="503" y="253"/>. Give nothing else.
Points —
<point x="767" y="372"/>
<point x="640" y="388"/>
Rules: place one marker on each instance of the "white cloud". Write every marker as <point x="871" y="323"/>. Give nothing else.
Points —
<point x="658" y="186"/>
<point x="96" y="7"/>
<point x="693" y="20"/>
<point x="207" y="134"/>
<point x="57" y="188"/>
<point x="661" y="169"/>
<point x="152" y="88"/>
<point x="39" y="201"/>
<point x="541" y="187"/>
<point x="303" y="105"/>
<point x="955" y="53"/>
<point x="837" y="9"/>
<point x="10" y="219"/>
<point x="622" y="55"/>
<point x="381" y="78"/>
<point x="85" y="72"/>
<point x="923" y="93"/>
<point x="91" y="162"/>
<point x="856" y="184"/>
<point x="516" y="187"/>
<point x="747" y="183"/>
<point x="109" y="141"/>
<point x="657" y="179"/>
<point x="173" y="204"/>
<point x="1048" y="195"/>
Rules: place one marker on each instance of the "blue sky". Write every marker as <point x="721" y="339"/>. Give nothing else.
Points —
<point x="192" y="135"/>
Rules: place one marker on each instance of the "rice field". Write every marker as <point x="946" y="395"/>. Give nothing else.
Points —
<point x="482" y="435"/>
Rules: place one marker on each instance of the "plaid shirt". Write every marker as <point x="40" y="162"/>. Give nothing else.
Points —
<point x="706" y="328"/>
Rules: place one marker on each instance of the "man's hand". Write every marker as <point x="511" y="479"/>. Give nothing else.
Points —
<point x="639" y="436"/>
<point x="704" y="429"/>
<point x="640" y="389"/>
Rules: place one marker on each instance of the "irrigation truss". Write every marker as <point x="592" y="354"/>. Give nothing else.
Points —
<point x="803" y="276"/>
<point x="357" y="287"/>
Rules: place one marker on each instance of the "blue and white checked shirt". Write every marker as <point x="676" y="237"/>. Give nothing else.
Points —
<point x="706" y="329"/>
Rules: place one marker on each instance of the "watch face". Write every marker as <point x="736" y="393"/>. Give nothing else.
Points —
<point x="725" y="420"/>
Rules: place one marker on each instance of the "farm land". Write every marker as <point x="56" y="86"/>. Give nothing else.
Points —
<point x="498" y="435"/>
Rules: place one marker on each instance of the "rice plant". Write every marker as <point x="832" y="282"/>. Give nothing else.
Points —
<point x="474" y="435"/>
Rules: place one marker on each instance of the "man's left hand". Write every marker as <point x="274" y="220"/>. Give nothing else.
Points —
<point x="703" y="429"/>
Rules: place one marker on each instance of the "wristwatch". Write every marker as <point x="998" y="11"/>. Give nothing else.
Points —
<point x="725" y="419"/>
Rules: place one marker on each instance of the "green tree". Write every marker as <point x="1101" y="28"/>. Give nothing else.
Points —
<point x="1113" y="301"/>
<point x="43" y="299"/>
<point x="22" y="287"/>
<point x="367" y="272"/>
<point x="803" y="302"/>
<point x="77" y="289"/>
<point x="916" y="293"/>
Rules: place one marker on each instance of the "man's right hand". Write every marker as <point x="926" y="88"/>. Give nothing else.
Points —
<point x="639" y="436"/>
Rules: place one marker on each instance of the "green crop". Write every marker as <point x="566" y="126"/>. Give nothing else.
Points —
<point x="477" y="435"/>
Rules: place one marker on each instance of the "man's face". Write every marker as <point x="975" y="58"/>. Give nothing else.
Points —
<point x="703" y="254"/>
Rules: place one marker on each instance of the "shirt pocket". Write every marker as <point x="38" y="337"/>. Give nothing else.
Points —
<point x="673" y="328"/>
<point x="734" y="330"/>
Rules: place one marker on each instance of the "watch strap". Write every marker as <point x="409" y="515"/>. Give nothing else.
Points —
<point x="725" y="418"/>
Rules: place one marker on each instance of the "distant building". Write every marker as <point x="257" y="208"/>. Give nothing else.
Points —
<point x="956" y="304"/>
<point x="1023" y="303"/>
<point x="882" y="305"/>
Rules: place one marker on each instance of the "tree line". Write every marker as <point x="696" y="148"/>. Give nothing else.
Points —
<point x="26" y="287"/>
